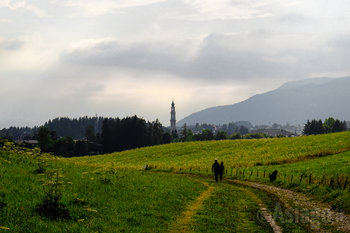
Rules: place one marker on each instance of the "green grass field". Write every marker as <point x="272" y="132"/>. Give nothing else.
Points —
<point x="97" y="201"/>
<point x="110" y="193"/>
<point x="229" y="209"/>
<point x="235" y="153"/>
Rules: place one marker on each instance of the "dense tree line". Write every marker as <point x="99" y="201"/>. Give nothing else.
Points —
<point x="116" y="135"/>
<point x="63" y="126"/>
<point x="18" y="133"/>
<point x="76" y="127"/>
<point x="64" y="146"/>
<point x="330" y="125"/>
<point x="131" y="132"/>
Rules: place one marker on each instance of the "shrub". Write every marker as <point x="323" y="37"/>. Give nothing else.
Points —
<point x="51" y="207"/>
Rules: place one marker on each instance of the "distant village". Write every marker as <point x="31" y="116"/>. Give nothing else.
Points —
<point x="90" y="130"/>
<point x="241" y="127"/>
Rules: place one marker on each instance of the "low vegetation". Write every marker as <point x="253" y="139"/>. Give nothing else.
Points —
<point x="107" y="193"/>
<point x="235" y="153"/>
<point x="229" y="210"/>
<point x="82" y="199"/>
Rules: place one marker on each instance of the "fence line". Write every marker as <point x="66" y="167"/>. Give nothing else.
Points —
<point x="339" y="181"/>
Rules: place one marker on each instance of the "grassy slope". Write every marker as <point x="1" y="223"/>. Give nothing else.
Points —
<point x="101" y="198"/>
<point x="319" y="167"/>
<point x="234" y="208"/>
<point x="108" y="200"/>
<point x="292" y="156"/>
<point x="98" y="200"/>
<point x="238" y="153"/>
<point x="322" y="170"/>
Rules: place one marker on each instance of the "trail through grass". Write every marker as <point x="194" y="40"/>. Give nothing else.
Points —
<point x="183" y="223"/>
<point x="229" y="209"/>
<point x="98" y="200"/>
<point x="301" y="208"/>
<point x="264" y="212"/>
<point x="236" y="208"/>
<point x="109" y="193"/>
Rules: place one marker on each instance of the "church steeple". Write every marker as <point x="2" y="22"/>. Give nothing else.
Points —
<point x="172" y="118"/>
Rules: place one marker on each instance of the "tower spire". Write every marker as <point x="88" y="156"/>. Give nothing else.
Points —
<point x="173" y="118"/>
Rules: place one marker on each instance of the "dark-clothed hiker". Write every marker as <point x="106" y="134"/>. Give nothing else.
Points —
<point x="216" y="169"/>
<point x="273" y="176"/>
<point x="221" y="170"/>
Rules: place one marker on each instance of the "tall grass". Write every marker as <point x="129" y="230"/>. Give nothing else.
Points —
<point x="96" y="200"/>
<point x="235" y="153"/>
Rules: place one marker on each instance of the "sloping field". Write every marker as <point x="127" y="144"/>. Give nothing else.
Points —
<point x="105" y="193"/>
<point x="38" y="193"/>
<point x="235" y="153"/>
<point x="84" y="199"/>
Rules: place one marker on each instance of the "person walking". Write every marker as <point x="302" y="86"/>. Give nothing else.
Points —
<point x="216" y="169"/>
<point x="221" y="170"/>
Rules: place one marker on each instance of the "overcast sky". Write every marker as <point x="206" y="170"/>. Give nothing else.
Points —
<point x="119" y="58"/>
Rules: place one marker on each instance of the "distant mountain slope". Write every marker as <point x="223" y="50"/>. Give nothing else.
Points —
<point x="294" y="102"/>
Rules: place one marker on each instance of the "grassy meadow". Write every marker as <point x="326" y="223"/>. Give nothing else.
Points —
<point x="229" y="210"/>
<point x="235" y="153"/>
<point x="97" y="200"/>
<point x="326" y="178"/>
<point x="110" y="193"/>
<point x="235" y="209"/>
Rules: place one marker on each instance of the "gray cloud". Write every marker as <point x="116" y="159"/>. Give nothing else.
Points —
<point x="11" y="44"/>
<point x="294" y="18"/>
<point x="215" y="60"/>
<point x="112" y="53"/>
<point x="161" y="46"/>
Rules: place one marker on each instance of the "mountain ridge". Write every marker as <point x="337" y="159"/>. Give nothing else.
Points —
<point x="293" y="102"/>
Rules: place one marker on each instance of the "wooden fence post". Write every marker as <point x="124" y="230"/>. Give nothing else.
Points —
<point x="310" y="179"/>
<point x="346" y="182"/>
<point x="301" y="179"/>
<point x="331" y="182"/>
<point x="338" y="182"/>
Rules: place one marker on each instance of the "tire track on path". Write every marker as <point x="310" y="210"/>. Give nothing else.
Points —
<point x="183" y="223"/>
<point x="305" y="208"/>
<point x="264" y="211"/>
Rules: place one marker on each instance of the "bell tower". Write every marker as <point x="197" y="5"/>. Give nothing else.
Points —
<point x="173" y="118"/>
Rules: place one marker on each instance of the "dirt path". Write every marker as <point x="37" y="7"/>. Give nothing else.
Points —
<point x="303" y="209"/>
<point x="183" y="223"/>
<point x="266" y="214"/>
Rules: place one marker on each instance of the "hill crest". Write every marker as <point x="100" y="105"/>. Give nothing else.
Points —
<point x="294" y="103"/>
